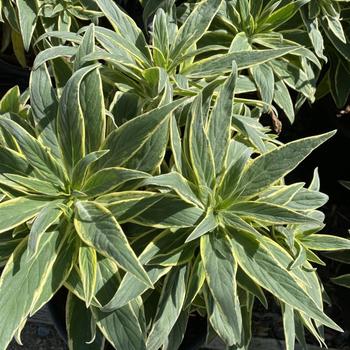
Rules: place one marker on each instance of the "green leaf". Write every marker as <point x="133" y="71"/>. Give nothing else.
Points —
<point x="8" y="187"/>
<point x="9" y="103"/>
<point x="52" y="53"/>
<point x="266" y="263"/>
<point x="169" y="211"/>
<point x="283" y="99"/>
<point x="220" y="273"/>
<point x="268" y="168"/>
<point x="88" y="268"/>
<point x="160" y="38"/>
<point x="61" y="268"/>
<point x="245" y="282"/>
<point x="130" y="145"/>
<point x="207" y="225"/>
<point x="219" y="126"/>
<point x="70" y="122"/>
<point x="120" y="327"/>
<point x="21" y="282"/>
<point x="237" y="157"/>
<point x="179" y="256"/>
<point x="282" y="15"/>
<point x="288" y="326"/>
<point x="79" y="319"/>
<point x="81" y="169"/>
<point x="107" y="280"/>
<point x="232" y="220"/>
<point x="33" y="184"/>
<point x="27" y="13"/>
<point x="169" y="307"/>
<point x="98" y="228"/>
<point x="306" y="199"/>
<point x="269" y="213"/>
<point x="335" y="25"/>
<point x="195" y="283"/>
<point x="324" y="242"/>
<point x="151" y="6"/>
<point x="177" y="333"/>
<point x="300" y="331"/>
<point x="298" y="78"/>
<point x="43" y="101"/>
<point x="124" y="25"/>
<point x="281" y="195"/>
<point x="177" y="183"/>
<point x="343" y="280"/>
<point x="195" y="26"/>
<point x="316" y="37"/>
<point x="247" y="302"/>
<point x="93" y="108"/>
<point x="175" y="143"/>
<point x="127" y="205"/>
<point x="251" y="129"/>
<point x="86" y="46"/>
<point x="91" y="95"/>
<point x="121" y="48"/>
<point x="156" y="79"/>
<point x="124" y="107"/>
<point x="36" y="154"/>
<point x="265" y="81"/>
<point x="46" y="218"/>
<point x="200" y="153"/>
<point x="221" y="64"/>
<point x="130" y="287"/>
<point x="15" y="212"/>
<point x="108" y="179"/>
<point x="339" y="72"/>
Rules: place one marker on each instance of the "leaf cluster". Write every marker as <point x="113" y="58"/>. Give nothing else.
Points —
<point x="135" y="173"/>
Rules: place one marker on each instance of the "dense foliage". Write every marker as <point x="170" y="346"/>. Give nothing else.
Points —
<point x="135" y="173"/>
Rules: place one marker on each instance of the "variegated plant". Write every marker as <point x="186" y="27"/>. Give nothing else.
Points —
<point x="273" y="43"/>
<point x="150" y="192"/>
<point x="243" y="25"/>
<point x="246" y="232"/>
<point x="25" y="20"/>
<point x="140" y="68"/>
<point x="327" y="24"/>
<point x="57" y="157"/>
<point x="255" y="234"/>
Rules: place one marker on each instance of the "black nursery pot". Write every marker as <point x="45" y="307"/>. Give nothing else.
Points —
<point x="12" y="75"/>
<point x="194" y="338"/>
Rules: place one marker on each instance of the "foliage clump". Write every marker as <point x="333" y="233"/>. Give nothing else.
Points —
<point x="135" y="173"/>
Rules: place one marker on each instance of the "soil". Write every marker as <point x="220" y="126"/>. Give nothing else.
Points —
<point x="37" y="336"/>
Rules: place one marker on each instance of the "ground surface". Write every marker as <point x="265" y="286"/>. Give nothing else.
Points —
<point x="36" y="336"/>
<point x="39" y="334"/>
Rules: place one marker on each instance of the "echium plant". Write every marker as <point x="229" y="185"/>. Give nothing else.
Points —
<point x="51" y="225"/>
<point x="255" y="233"/>
<point x="243" y="25"/>
<point x="139" y="68"/>
<point x="69" y="186"/>
<point x="25" y="20"/>
<point x="148" y="218"/>
<point x="327" y="24"/>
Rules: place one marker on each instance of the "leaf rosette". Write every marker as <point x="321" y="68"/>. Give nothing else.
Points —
<point x="252" y="232"/>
